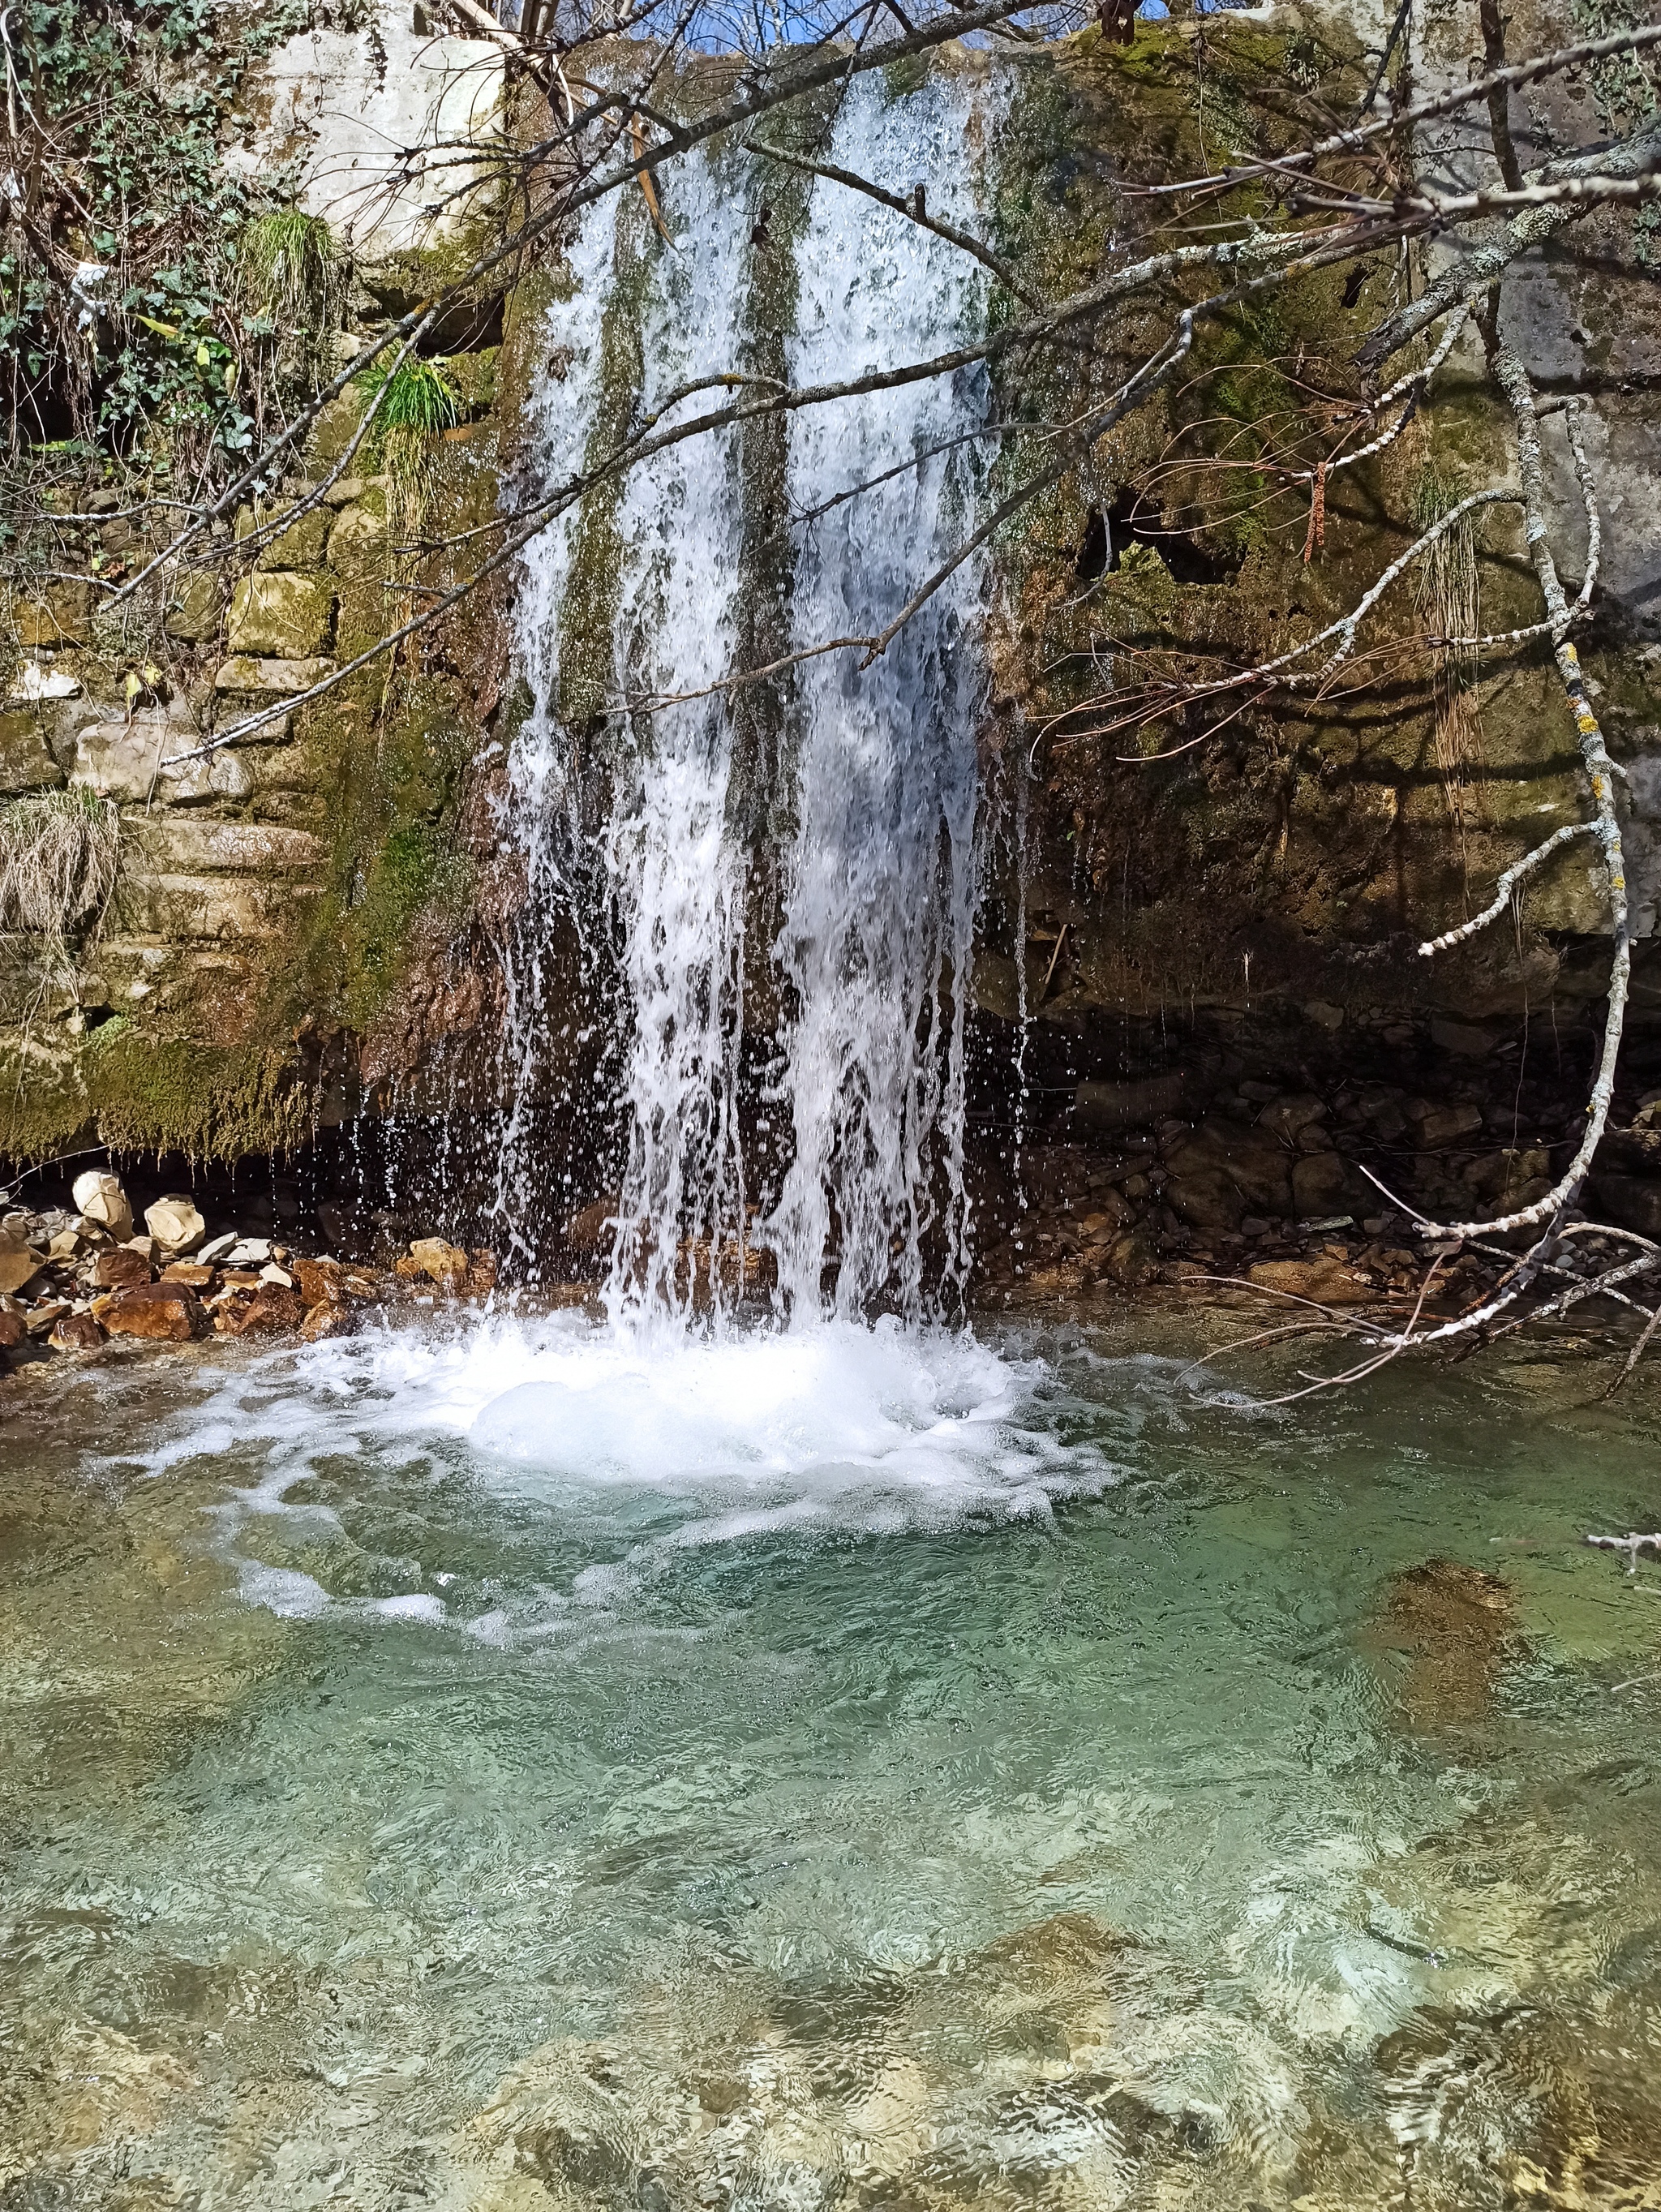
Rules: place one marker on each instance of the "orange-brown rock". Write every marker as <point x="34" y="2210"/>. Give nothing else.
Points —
<point x="119" y="1269"/>
<point x="270" y="1310"/>
<point x="165" y="1311"/>
<point x="13" y="1323"/>
<point x="446" y="1264"/>
<point x="482" y="1274"/>
<point x="76" y="1332"/>
<point x="192" y="1272"/>
<point x="329" y="1317"/>
<point x="320" y="1281"/>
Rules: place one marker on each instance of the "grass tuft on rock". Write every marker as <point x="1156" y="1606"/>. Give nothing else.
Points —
<point x="59" y="855"/>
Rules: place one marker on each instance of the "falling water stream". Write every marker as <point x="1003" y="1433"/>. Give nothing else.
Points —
<point x="804" y="1754"/>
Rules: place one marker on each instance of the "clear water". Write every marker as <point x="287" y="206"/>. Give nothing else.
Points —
<point x="509" y="1767"/>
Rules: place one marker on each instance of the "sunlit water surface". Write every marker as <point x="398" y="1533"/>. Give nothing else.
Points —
<point x="495" y="1768"/>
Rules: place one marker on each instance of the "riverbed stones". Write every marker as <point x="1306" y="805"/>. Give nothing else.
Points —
<point x="13" y="1323"/>
<point x="167" y="1313"/>
<point x="103" y="1203"/>
<point x="176" y="1224"/>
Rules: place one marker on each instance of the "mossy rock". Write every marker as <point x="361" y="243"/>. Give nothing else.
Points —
<point x="280" y="617"/>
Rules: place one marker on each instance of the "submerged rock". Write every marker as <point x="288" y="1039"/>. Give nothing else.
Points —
<point x="1456" y="1625"/>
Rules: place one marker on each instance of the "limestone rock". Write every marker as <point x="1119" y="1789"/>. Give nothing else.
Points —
<point x="1630" y="1201"/>
<point x="1289" y="1117"/>
<point x="18" y="1264"/>
<point x="13" y="1323"/>
<point x="246" y="1252"/>
<point x="279" y="678"/>
<point x="104" y="1204"/>
<point x="330" y="1317"/>
<point x="61" y="616"/>
<point x="194" y="615"/>
<point x="357" y="544"/>
<point x="218" y="1248"/>
<point x="25" y="761"/>
<point x="44" y="1313"/>
<point x="166" y="1312"/>
<point x="191" y="1272"/>
<point x="1221" y="1169"/>
<point x="32" y="683"/>
<point x="76" y="1332"/>
<point x="1456" y="1625"/>
<point x="285" y="616"/>
<point x="119" y="1269"/>
<point x="299" y="546"/>
<point x="176" y="1225"/>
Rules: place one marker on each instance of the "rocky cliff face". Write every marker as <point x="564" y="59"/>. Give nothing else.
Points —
<point x="308" y="924"/>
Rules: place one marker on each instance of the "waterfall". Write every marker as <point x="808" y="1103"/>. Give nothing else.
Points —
<point x="852" y="890"/>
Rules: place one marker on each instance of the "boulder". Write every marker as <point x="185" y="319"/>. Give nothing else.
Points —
<point x="1320" y="1185"/>
<point x="299" y="546"/>
<point x="76" y="1332"/>
<point x="594" y="1228"/>
<point x="1129" y="1260"/>
<point x="166" y="1312"/>
<point x="330" y="1317"/>
<point x="321" y="1281"/>
<point x="1288" y="1117"/>
<point x="176" y="1225"/>
<point x="119" y="1269"/>
<point x="104" y="1204"/>
<point x="284" y="618"/>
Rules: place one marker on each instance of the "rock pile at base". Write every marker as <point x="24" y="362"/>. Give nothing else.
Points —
<point x="71" y="1281"/>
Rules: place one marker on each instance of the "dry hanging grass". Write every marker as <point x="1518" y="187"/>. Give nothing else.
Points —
<point x="58" y="853"/>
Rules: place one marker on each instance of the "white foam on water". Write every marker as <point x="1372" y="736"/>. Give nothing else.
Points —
<point x="635" y="1447"/>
